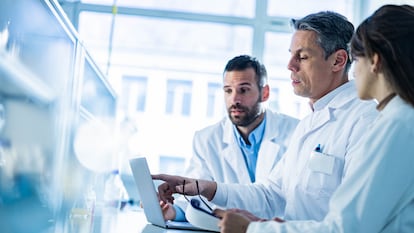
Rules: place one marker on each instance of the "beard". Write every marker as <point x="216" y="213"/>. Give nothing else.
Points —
<point x="250" y="114"/>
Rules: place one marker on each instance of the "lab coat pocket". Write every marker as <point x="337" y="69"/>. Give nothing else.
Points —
<point x="324" y="174"/>
<point x="320" y="162"/>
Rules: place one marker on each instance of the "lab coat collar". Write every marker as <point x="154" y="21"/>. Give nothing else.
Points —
<point x="228" y="132"/>
<point x="338" y="97"/>
<point x="233" y="155"/>
<point x="324" y="107"/>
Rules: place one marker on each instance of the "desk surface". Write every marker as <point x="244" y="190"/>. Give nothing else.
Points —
<point x="133" y="220"/>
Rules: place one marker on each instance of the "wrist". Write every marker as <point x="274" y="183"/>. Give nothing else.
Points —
<point x="209" y="189"/>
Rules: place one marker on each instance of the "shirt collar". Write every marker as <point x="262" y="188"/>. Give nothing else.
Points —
<point x="255" y="137"/>
<point x="322" y="102"/>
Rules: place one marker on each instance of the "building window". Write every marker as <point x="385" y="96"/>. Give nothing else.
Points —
<point x="274" y="99"/>
<point x="134" y="92"/>
<point x="178" y="100"/>
<point x="214" y="99"/>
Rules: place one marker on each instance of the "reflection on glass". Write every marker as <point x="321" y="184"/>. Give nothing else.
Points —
<point x="4" y="35"/>
<point x="96" y="97"/>
<point x="95" y="146"/>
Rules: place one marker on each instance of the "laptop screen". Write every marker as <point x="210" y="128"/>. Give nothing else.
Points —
<point x="147" y="191"/>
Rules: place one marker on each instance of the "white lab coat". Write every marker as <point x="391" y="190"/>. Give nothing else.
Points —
<point x="217" y="155"/>
<point x="377" y="194"/>
<point x="294" y="190"/>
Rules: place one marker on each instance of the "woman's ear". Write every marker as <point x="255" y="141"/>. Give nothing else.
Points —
<point x="375" y="63"/>
<point x="341" y="58"/>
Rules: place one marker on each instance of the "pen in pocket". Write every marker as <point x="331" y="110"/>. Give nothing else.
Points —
<point x="318" y="148"/>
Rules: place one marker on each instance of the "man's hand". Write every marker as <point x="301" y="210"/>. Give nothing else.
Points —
<point x="183" y="185"/>
<point x="234" y="220"/>
<point x="237" y="220"/>
<point x="168" y="210"/>
<point x="174" y="184"/>
<point x="246" y="214"/>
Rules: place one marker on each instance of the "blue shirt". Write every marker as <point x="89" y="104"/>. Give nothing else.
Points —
<point x="250" y="151"/>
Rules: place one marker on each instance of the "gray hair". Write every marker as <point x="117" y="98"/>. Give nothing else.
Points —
<point x="334" y="31"/>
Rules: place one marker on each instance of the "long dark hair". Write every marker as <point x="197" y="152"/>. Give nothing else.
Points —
<point x="389" y="32"/>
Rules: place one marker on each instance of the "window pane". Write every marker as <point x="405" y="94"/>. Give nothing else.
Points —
<point x="95" y="96"/>
<point x="215" y="102"/>
<point x="161" y="43"/>
<point x="300" y="8"/>
<point x="276" y="52"/>
<point x="133" y="95"/>
<point x="275" y="57"/>
<point x="375" y="4"/>
<point x="244" y="8"/>
<point x="179" y="94"/>
<point x="274" y="99"/>
<point x="171" y="164"/>
<point x="96" y="37"/>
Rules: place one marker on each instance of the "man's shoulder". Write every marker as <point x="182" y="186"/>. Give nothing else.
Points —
<point x="348" y="101"/>
<point x="215" y="128"/>
<point x="363" y="107"/>
<point x="281" y="118"/>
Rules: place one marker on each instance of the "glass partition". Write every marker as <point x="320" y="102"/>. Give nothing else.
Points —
<point x="36" y="74"/>
<point x="48" y="84"/>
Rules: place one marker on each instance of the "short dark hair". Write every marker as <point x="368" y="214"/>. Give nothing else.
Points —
<point x="243" y="62"/>
<point x="334" y="31"/>
<point x="389" y="32"/>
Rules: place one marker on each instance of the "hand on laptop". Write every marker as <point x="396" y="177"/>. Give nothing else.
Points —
<point x="168" y="210"/>
<point x="184" y="185"/>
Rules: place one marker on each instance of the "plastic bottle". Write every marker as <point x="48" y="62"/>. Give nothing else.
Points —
<point x="82" y="212"/>
<point x="114" y="193"/>
<point x="112" y="190"/>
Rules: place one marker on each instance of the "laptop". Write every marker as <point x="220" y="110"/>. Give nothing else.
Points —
<point x="149" y="197"/>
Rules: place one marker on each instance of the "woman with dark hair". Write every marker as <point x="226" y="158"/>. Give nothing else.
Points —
<point x="377" y="194"/>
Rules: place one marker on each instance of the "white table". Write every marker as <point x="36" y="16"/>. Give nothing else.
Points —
<point x="133" y="220"/>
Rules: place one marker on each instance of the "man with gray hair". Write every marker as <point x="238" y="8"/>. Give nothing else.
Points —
<point x="300" y="186"/>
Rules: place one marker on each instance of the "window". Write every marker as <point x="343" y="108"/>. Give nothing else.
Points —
<point x="171" y="164"/>
<point x="162" y="44"/>
<point x="274" y="99"/>
<point x="215" y="102"/>
<point x="300" y="8"/>
<point x="282" y="99"/>
<point x="134" y="94"/>
<point x="217" y="7"/>
<point x="178" y="97"/>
